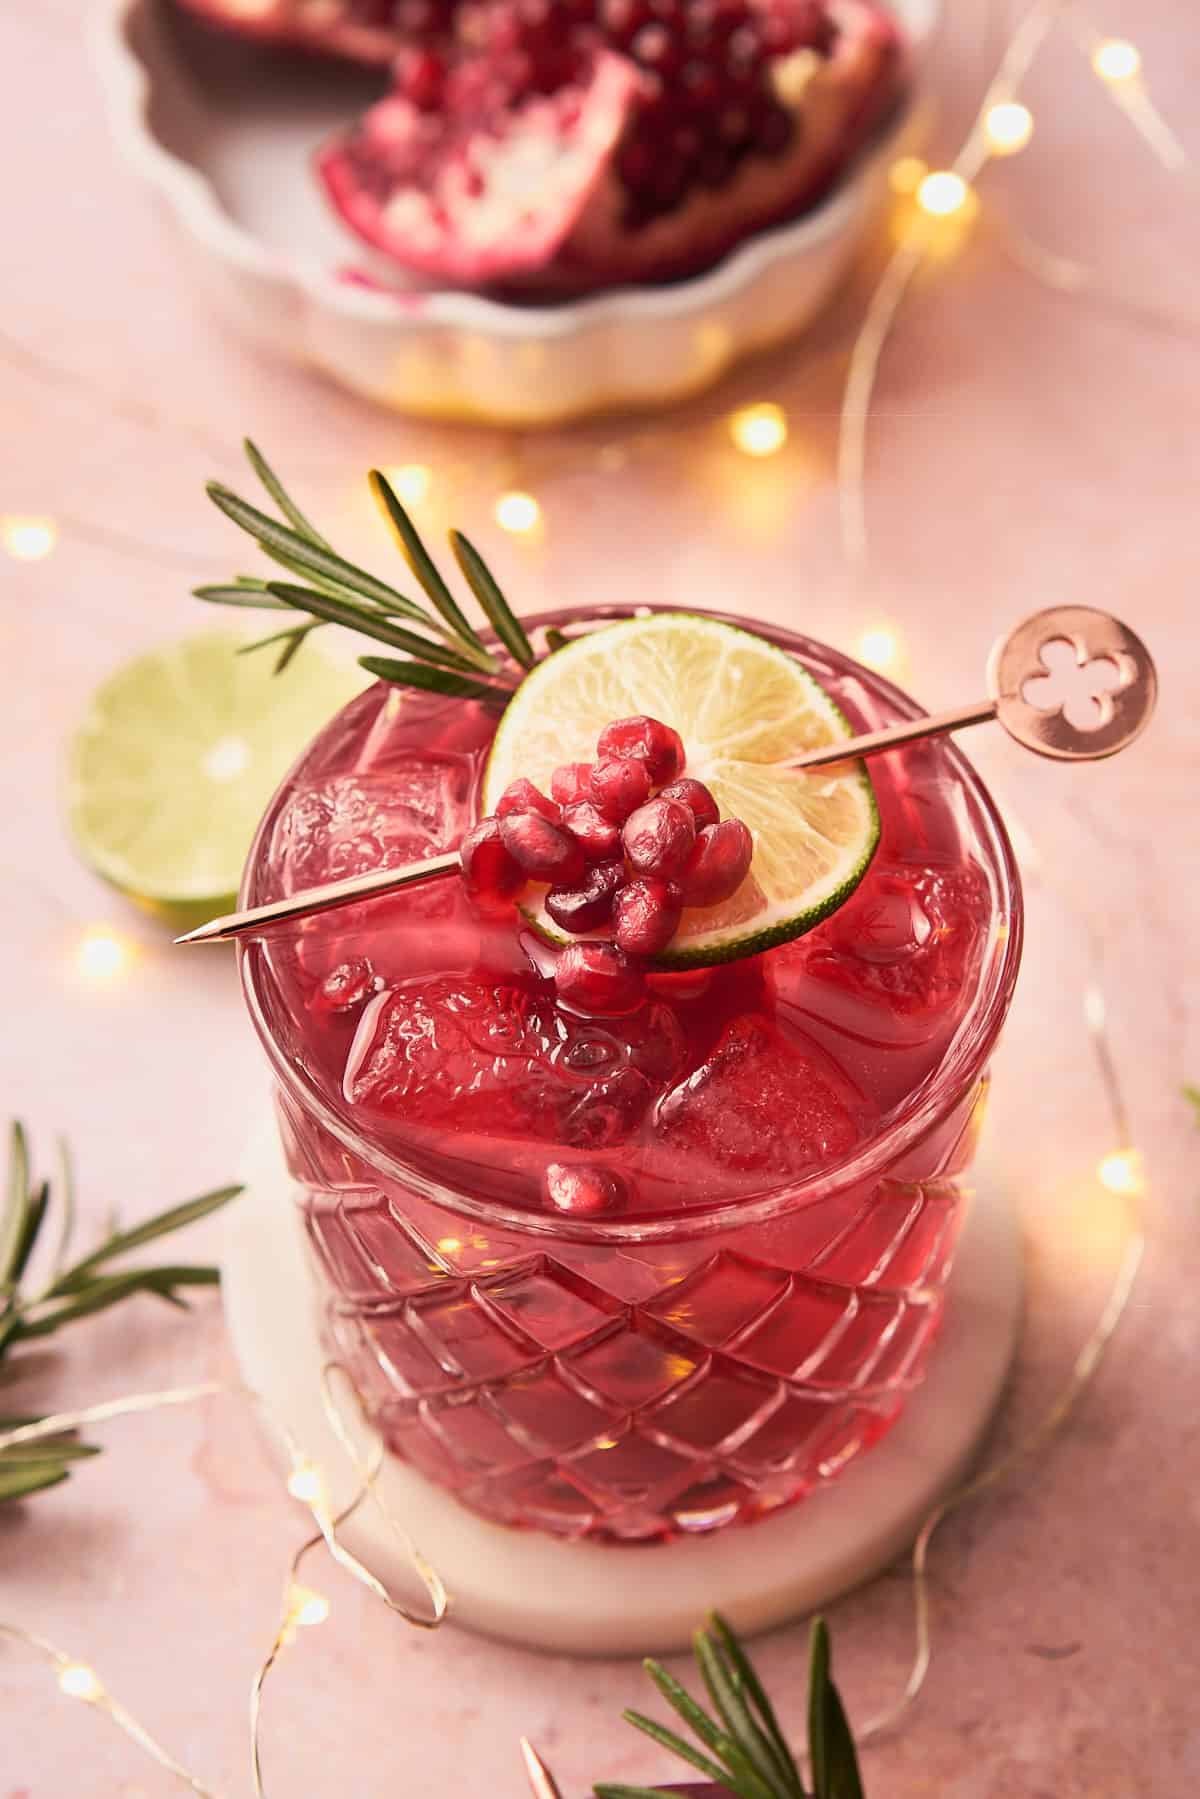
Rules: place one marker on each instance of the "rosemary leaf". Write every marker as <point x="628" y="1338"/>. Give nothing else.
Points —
<point x="1192" y="1095"/>
<point x="66" y="1210"/>
<point x="289" y="636"/>
<point x="282" y="499"/>
<point x="435" y="680"/>
<point x="19" y="1482"/>
<point x="342" y="612"/>
<point x="174" y="1219"/>
<point x="501" y="617"/>
<point x="256" y="597"/>
<point x="667" y="1739"/>
<point x="291" y="648"/>
<point x="555" y="639"/>
<point x="422" y="565"/>
<point x="34" y="1220"/>
<point x="830" y="1744"/>
<point x="745" y="1778"/>
<point x="735" y="1714"/>
<point x="15" y="1216"/>
<point x="108" y="1290"/>
<point x="64" y="1446"/>
<point x="748" y="1682"/>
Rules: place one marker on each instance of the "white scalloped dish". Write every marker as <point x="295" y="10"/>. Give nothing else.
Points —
<point x="224" y="133"/>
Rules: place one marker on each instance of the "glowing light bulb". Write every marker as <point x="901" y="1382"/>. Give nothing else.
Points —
<point x="759" y="430"/>
<point x="1116" y="60"/>
<point x="942" y="193"/>
<point x="306" y="1607"/>
<point x="78" y="1681"/>
<point x="305" y="1483"/>
<point x="411" y="480"/>
<point x="1008" y="127"/>
<point x="879" y="647"/>
<point x="1121" y="1171"/>
<point x="28" y="539"/>
<point x="906" y="174"/>
<point x="517" y="512"/>
<point x="101" y="955"/>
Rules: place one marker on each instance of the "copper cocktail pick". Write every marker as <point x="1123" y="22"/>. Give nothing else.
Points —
<point x="1106" y="670"/>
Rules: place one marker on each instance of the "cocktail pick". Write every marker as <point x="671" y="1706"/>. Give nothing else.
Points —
<point x="540" y="1777"/>
<point x="1071" y="683"/>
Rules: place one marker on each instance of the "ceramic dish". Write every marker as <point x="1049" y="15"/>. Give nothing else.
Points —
<point x="225" y="134"/>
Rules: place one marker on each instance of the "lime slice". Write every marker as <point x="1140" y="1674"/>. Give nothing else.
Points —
<point x="742" y="707"/>
<point x="176" y="759"/>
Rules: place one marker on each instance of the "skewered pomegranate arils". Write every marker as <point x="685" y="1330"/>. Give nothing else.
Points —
<point x="658" y="837"/>
<point x="597" y="836"/>
<point x="645" y="740"/>
<point x="571" y="781"/>
<point x="574" y="145"/>
<point x="589" y="906"/>
<point x="543" y="850"/>
<point x="597" y="977"/>
<point x="718" y="864"/>
<point x="488" y="870"/>
<point x="645" y="915"/>
<point x="696" y="797"/>
<point x="619" y="787"/>
<point x="523" y="796"/>
<point x="581" y="1190"/>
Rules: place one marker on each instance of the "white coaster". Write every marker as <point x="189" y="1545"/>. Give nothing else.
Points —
<point x="596" y="1599"/>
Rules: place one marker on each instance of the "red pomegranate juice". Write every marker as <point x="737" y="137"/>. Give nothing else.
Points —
<point x="624" y="1278"/>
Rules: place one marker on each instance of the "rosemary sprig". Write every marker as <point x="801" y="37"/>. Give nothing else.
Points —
<point x="444" y="653"/>
<point x="67" y="1291"/>
<point x="750" y="1757"/>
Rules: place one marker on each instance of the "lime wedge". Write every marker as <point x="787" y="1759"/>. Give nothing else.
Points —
<point x="176" y="759"/>
<point x="742" y="707"/>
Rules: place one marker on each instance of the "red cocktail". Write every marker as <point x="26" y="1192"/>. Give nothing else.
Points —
<point x="784" y="1137"/>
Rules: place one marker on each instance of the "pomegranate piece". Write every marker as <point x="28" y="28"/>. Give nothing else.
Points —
<point x="589" y="906"/>
<point x="550" y="149"/>
<point x="619" y="787"/>
<point x="645" y="740"/>
<point x="571" y="781"/>
<point x="598" y="978"/>
<point x="696" y="797"/>
<point x="718" y="863"/>
<point x="523" y="796"/>
<point x="489" y="871"/>
<point x="581" y="1190"/>
<point x="658" y="837"/>
<point x="544" y="851"/>
<point x="598" y="837"/>
<point x="346" y="987"/>
<point x="645" y="915"/>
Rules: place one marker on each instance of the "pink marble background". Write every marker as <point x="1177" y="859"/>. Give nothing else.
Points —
<point x="1027" y="448"/>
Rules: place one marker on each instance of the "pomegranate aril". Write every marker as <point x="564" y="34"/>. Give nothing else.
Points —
<point x="489" y="871"/>
<point x="544" y="850"/>
<point x="571" y="782"/>
<point x="589" y="906"/>
<point x="696" y="797"/>
<point x="598" y="978"/>
<point x="718" y="864"/>
<point x="581" y="1190"/>
<point x="658" y="837"/>
<point x="598" y="837"/>
<point x="647" y="740"/>
<point x="645" y="915"/>
<point x="346" y="987"/>
<point x="523" y="796"/>
<point x="619" y="787"/>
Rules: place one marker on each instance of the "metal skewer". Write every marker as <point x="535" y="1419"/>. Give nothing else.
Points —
<point x="540" y="1777"/>
<point x="1120" y="710"/>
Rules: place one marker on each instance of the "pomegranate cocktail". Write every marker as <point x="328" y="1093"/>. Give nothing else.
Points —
<point x="632" y="1159"/>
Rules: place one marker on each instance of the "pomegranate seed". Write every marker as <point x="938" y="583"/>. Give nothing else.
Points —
<point x="571" y="782"/>
<point x="644" y="740"/>
<point x="645" y="915"/>
<point x="586" y="907"/>
<point x="718" y="864"/>
<point x="597" y="836"/>
<point x="346" y="987"/>
<point x="523" y="796"/>
<point x="619" y="787"/>
<point x="696" y="797"/>
<point x="658" y="837"/>
<point x="544" y="850"/>
<point x="582" y="1190"/>
<point x="598" y="977"/>
<point x="488" y="870"/>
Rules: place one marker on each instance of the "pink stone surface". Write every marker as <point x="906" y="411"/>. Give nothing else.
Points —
<point x="1027" y="448"/>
